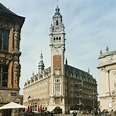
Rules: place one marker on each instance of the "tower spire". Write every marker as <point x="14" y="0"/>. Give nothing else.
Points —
<point x="57" y="2"/>
<point x="41" y="64"/>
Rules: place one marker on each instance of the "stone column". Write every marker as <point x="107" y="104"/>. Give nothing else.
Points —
<point x="10" y="75"/>
<point x="16" y="38"/>
<point x="16" y="75"/>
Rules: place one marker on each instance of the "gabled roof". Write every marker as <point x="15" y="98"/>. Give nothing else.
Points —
<point x="3" y="9"/>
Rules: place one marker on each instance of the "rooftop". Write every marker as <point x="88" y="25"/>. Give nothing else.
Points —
<point x="5" y="11"/>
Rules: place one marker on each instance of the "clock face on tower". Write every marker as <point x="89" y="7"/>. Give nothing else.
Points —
<point x="57" y="51"/>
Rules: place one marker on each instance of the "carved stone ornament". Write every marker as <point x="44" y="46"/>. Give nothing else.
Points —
<point x="17" y="27"/>
<point x="16" y="73"/>
<point x="9" y="57"/>
<point x="4" y="61"/>
<point x="4" y="24"/>
<point x="5" y="58"/>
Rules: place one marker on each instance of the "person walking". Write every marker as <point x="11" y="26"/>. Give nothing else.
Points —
<point x="31" y="113"/>
<point x="74" y="113"/>
<point x="22" y="112"/>
<point x="112" y="113"/>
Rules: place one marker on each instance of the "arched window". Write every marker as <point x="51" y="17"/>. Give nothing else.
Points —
<point x="56" y="22"/>
<point x="57" y="80"/>
<point x="59" y="38"/>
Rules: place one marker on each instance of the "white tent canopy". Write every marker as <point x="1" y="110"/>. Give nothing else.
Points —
<point x="12" y="105"/>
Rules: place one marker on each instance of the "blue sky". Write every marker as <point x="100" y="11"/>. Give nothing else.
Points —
<point x="90" y="26"/>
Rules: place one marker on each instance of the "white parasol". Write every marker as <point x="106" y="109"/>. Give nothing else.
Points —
<point x="12" y="105"/>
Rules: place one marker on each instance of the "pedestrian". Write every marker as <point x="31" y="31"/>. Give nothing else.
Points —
<point x="74" y="113"/>
<point x="21" y="112"/>
<point x="99" y="112"/>
<point x="52" y="113"/>
<point x="31" y="113"/>
<point x="27" y="113"/>
<point x="112" y="113"/>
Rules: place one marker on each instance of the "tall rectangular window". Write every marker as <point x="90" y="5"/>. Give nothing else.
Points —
<point x="3" y="75"/>
<point x="57" y="86"/>
<point x="57" y="89"/>
<point x="4" y="39"/>
<point x="57" y="101"/>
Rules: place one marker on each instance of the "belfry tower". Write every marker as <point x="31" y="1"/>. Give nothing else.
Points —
<point x="57" y="44"/>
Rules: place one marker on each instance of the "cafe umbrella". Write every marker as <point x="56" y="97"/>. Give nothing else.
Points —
<point x="12" y="105"/>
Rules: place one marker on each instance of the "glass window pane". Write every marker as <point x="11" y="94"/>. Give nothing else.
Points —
<point x="3" y="75"/>
<point x="0" y="80"/>
<point x="5" y="68"/>
<point x="0" y="39"/>
<point x="4" y="39"/>
<point x="4" y="80"/>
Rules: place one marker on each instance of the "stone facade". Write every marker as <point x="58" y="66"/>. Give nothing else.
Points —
<point x="107" y="78"/>
<point x="60" y="85"/>
<point x="10" y="29"/>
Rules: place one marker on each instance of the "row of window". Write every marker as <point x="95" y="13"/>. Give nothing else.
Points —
<point x="57" y="38"/>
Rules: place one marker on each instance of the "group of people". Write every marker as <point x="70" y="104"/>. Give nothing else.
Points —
<point x="22" y="112"/>
<point x="104" y="113"/>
